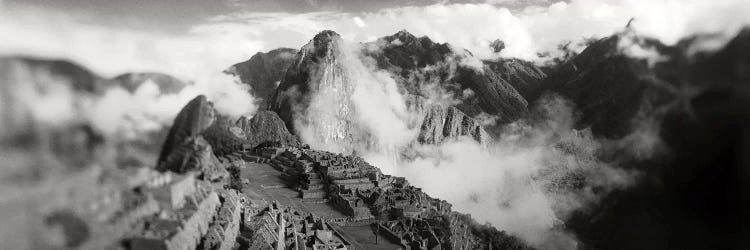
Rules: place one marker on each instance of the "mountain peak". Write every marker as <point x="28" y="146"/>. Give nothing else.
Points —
<point x="403" y="36"/>
<point x="324" y="44"/>
<point x="326" y="34"/>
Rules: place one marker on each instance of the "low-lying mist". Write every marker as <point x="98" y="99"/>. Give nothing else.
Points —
<point x="40" y="106"/>
<point x="526" y="182"/>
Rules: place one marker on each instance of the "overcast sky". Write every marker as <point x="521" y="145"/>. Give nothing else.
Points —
<point x="177" y="15"/>
<point x="190" y="38"/>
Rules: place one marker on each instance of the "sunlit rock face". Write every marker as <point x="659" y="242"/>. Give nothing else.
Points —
<point x="315" y="97"/>
<point x="441" y="123"/>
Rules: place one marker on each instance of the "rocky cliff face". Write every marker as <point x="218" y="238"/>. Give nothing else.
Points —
<point x="441" y="123"/>
<point x="264" y="72"/>
<point x="186" y="147"/>
<point x="316" y="94"/>
<point x="225" y="136"/>
<point x="266" y="127"/>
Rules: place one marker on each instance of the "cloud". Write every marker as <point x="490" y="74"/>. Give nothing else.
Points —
<point x="358" y="21"/>
<point x="227" y="39"/>
<point x="527" y="182"/>
<point x="198" y="58"/>
<point x="525" y="32"/>
<point x="130" y="115"/>
<point x="114" y="50"/>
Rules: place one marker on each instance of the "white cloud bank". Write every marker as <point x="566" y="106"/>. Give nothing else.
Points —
<point x="525" y="32"/>
<point x="527" y="182"/>
<point x="225" y="40"/>
<point x="129" y="115"/>
<point x="198" y="58"/>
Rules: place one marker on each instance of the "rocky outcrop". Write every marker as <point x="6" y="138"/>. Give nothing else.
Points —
<point x="264" y="127"/>
<point x="193" y="119"/>
<point x="225" y="136"/>
<point x="441" y="123"/>
<point x="264" y="72"/>
<point x="186" y="148"/>
<point x="194" y="154"/>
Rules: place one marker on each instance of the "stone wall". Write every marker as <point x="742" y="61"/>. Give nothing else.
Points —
<point x="192" y="229"/>
<point x="225" y="227"/>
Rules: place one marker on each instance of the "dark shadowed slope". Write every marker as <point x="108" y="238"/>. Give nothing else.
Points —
<point x="609" y="87"/>
<point x="694" y="195"/>
<point x="264" y="71"/>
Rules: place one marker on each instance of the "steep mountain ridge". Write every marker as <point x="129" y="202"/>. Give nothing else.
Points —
<point x="693" y="190"/>
<point x="418" y="63"/>
<point x="266" y="126"/>
<point x="524" y="76"/>
<point x="419" y="66"/>
<point x="609" y="87"/>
